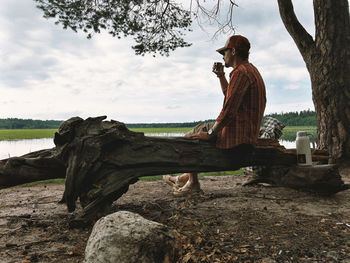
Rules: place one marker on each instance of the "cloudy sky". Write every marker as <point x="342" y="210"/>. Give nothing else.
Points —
<point x="50" y="73"/>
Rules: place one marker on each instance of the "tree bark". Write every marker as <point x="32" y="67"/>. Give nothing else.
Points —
<point x="104" y="158"/>
<point x="35" y="166"/>
<point x="100" y="159"/>
<point x="327" y="59"/>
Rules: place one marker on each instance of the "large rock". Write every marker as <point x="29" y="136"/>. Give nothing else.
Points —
<point x="128" y="237"/>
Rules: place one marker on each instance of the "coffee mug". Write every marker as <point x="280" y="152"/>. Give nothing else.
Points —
<point x="217" y="66"/>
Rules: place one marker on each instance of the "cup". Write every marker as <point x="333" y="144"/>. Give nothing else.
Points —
<point x="217" y="66"/>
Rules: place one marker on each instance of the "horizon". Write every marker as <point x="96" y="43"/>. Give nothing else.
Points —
<point x="51" y="73"/>
<point x="281" y="113"/>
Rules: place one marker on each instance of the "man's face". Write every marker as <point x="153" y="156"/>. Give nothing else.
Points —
<point x="228" y="57"/>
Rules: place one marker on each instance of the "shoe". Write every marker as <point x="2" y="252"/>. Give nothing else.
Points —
<point x="176" y="185"/>
<point x="187" y="190"/>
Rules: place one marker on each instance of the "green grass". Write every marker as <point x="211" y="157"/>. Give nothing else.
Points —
<point x="49" y="181"/>
<point x="159" y="177"/>
<point x="144" y="178"/>
<point x="300" y="128"/>
<point x="289" y="132"/>
<point x="21" y="134"/>
<point x="6" y="135"/>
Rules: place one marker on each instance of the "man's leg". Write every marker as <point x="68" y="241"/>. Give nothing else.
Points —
<point x="180" y="180"/>
<point x="176" y="181"/>
<point x="188" y="182"/>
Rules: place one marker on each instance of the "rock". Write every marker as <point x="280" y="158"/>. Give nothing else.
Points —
<point x="128" y="237"/>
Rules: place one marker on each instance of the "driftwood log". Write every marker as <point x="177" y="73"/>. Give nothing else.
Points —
<point x="100" y="159"/>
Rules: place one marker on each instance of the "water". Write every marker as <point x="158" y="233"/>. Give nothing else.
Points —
<point x="21" y="147"/>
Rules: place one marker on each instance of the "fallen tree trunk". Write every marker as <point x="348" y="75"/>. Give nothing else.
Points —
<point x="102" y="158"/>
<point x="35" y="166"/>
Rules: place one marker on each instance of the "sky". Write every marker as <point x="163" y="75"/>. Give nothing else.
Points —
<point x="48" y="73"/>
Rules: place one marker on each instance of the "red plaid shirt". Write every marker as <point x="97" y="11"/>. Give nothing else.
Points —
<point x="243" y="108"/>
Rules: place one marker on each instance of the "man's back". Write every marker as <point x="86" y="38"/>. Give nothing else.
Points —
<point x="243" y="108"/>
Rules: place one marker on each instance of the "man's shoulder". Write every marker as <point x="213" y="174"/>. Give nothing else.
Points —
<point x="243" y="68"/>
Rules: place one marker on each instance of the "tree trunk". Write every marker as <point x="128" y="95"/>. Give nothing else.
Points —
<point x="35" y="166"/>
<point x="328" y="61"/>
<point x="104" y="158"/>
<point x="100" y="159"/>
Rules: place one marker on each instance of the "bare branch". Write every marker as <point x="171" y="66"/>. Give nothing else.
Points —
<point x="213" y="15"/>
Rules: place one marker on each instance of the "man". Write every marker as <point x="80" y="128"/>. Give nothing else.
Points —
<point x="239" y="121"/>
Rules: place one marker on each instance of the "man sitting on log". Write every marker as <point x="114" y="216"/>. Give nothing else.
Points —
<point x="238" y="123"/>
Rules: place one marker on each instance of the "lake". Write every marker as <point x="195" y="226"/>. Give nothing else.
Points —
<point x="20" y="147"/>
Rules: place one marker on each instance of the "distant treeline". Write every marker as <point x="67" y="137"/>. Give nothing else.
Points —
<point x="14" y="123"/>
<point x="303" y="118"/>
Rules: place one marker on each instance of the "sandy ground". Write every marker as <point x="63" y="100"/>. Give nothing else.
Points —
<point x="229" y="223"/>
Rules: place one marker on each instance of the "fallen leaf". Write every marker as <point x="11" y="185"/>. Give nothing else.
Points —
<point x="196" y="223"/>
<point x="75" y="252"/>
<point x="198" y="240"/>
<point x="188" y="223"/>
<point x="187" y="257"/>
<point x="241" y="250"/>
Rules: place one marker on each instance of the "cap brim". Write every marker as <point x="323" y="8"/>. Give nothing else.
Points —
<point x="221" y="50"/>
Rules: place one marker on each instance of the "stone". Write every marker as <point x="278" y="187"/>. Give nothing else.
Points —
<point x="128" y="237"/>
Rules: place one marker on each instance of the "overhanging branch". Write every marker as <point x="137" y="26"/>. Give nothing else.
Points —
<point x="301" y="37"/>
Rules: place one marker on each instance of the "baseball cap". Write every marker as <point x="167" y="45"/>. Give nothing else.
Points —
<point x="237" y="42"/>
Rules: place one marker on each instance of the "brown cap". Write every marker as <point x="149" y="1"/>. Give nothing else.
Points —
<point x="238" y="42"/>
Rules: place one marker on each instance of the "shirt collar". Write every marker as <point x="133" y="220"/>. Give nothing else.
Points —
<point x="241" y="63"/>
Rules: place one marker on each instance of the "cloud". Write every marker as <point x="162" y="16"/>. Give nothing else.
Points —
<point x="289" y="107"/>
<point x="51" y="73"/>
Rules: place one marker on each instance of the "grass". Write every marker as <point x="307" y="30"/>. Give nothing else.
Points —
<point x="49" y="133"/>
<point x="159" y="177"/>
<point x="21" y="134"/>
<point x="49" y="181"/>
<point x="144" y="178"/>
<point x="161" y="130"/>
<point x="289" y="132"/>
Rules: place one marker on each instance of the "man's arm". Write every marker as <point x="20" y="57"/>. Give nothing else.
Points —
<point x="223" y="82"/>
<point x="234" y="96"/>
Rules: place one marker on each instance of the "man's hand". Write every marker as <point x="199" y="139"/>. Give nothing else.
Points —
<point x="201" y="136"/>
<point x="220" y="72"/>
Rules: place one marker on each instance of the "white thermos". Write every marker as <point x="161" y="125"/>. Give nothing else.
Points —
<point x="303" y="148"/>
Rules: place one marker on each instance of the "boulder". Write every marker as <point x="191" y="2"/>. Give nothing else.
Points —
<point x="128" y="237"/>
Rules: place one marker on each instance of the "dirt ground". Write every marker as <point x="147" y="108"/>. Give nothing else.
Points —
<point x="229" y="223"/>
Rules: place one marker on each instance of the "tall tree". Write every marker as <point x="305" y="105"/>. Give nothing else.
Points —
<point x="159" y="26"/>
<point x="327" y="58"/>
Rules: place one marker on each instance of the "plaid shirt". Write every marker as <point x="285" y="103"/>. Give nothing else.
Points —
<point x="243" y="108"/>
